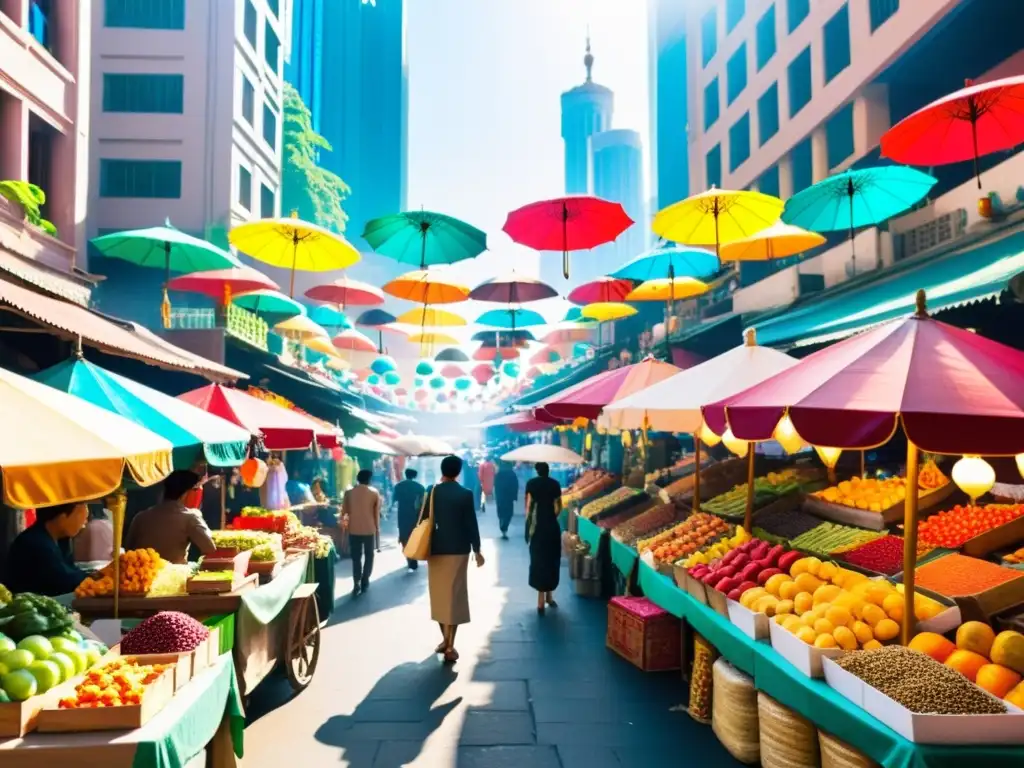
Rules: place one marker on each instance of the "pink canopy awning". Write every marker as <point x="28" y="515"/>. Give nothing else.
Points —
<point x="587" y="398"/>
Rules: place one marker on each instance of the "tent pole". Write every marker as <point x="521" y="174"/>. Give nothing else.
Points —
<point x="749" y="513"/>
<point x="909" y="543"/>
<point x="696" y="471"/>
<point x="223" y="502"/>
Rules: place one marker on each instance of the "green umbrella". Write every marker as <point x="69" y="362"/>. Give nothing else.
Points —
<point x="424" y="238"/>
<point x="273" y="303"/>
<point x="195" y="434"/>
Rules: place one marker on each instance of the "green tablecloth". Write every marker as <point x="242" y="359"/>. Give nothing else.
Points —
<point x="264" y="603"/>
<point x="323" y="572"/>
<point x="624" y="557"/>
<point x="590" y="533"/>
<point x="226" y="625"/>
<point x="814" y="699"/>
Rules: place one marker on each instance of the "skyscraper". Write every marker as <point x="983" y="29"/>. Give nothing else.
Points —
<point x="586" y="110"/>
<point x="617" y="168"/>
<point x="303" y="68"/>
<point x="670" y="162"/>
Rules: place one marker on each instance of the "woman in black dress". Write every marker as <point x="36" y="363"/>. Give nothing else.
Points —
<point x="544" y="535"/>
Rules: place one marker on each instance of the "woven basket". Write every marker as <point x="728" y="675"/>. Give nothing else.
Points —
<point x="787" y="740"/>
<point x="734" y="713"/>
<point x="839" y="754"/>
<point x="702" y="680"/>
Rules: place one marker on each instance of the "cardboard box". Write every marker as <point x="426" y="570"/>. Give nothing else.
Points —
<point x="154" y="699"/>
<point x="643" y="634"/>
<point x="847" y="685"/>
<point x="717" y="600"/>
<point x="751" y="623"/>
<point x="804" y="657"/>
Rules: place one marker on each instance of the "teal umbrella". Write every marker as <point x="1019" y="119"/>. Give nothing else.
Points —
<point x="329" y="317"/>
<point x="272" y="303"/>
<point x="195" y="434"/>
<point x="857" y="198"/>
<point x="424" y="238"/>
<point x="669" y="262"/>
<point x="511" y="318"/>
<point x="575" y="315"/>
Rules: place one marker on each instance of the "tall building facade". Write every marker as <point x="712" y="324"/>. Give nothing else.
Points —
<point x="303" y="68"/>
<point x="586" y="109"/>
<point x="667" y="96"/>
<point x="617" y="170"/>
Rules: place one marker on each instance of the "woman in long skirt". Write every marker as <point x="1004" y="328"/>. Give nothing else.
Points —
<point x="544" y="535"/>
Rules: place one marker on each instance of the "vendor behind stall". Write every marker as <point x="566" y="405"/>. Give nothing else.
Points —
<point x="39" y="559"/>
<point x="170" y="526"/>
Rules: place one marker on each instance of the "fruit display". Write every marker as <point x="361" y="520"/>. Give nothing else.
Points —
<point x="718" y="549"/>
<point x="609" y="500"/>
<point x="663" y="477"/>
<point x="653" y="519"/>
<point x="920" y="683"/>
<point x="260" y="519"/>
<point x="741" y="569"/>
<point x="733" y="503"/>
<point x="265" y="553"/>
<point x="28" y="614"/>
<point x="783" y="525"/>
<point x="243" y="541"/>
<point x="955" y="527"/>
<point x="882" y="555"/>
<point x="165" y="632"/>
<point x="1014" y="558"/>
<point x="826" y="538"/>
<point x="616" y="519"/>
<point x="867" y="493"/>
<point x="170" y="580"/>
<point x="215" y="576"/>
<point x="306" y="537"/>
<point x="137" y="570"/>
<point x="683" y="538"/>
<point x="5" y="595"/>
<point x="118" y="683"/>
<point x="957" y="575"/>
<point x="590" y="483"/>
<point x="36" y="663"/>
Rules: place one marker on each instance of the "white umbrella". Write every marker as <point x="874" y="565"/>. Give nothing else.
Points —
<point x="418" y="445"/>
<point x="363" y="442"/>
<point x="552" y="454"/>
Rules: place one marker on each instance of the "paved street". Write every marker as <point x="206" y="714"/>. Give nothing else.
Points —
<point x="529" y="691"/>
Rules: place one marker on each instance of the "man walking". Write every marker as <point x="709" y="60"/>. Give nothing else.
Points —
<point x="361" y="514"/>
<point x="408" y="497"/>
<point x="506" y="491"/>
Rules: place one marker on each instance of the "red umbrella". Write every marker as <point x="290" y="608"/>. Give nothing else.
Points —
<point x="345" y="291"/>
<point x="496" y="353"/>
<point x="353" y="340"/>
<point x="573" y="223"/>
<point x="482" y="373"/>
<point x="589" y="397"/>
<point x="222" y="284"/>
<point x="970" y="123"/>
<point x="603" y="289"/>
<point x="517" y="422"/>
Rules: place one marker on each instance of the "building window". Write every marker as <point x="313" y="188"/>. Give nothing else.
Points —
<point x="269" y="127"/>
<point x="268" y="201"/>
<point x="734" y="10"/>
<point x="768" y="114"/>
<point x="881" y="11"/>
<point x="248" y="101"/>
<point x="713" y="166"/>
<point x="140" y="178"/>
<point x="39" y="12"/>
<point x="274" y="6"/>
<point x="739" y="142"/>
<point x="769" y="182"/>
<point x="144" y="14"/>
<point x="766" y="42"/>
<point x="839" y="135"/>
<point x="249" y="23"/>
<point x="271" y="47"/>
<point x="836" y="35"/>
<point x="163" y="94"/>
<point x="244" y="188"/>
<point x="736" y="74"/>
<point x="796" y="12"/>
<point x="709" y="35"/>
<point x="802" y="164"/>
<point x="711" y="104"/>
<point x="799" y="76"/>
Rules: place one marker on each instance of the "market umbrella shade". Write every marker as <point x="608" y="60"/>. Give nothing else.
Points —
<point x="347" y="292"/>
<point x="269" y="303"/>
<point x="552" y="454"/>
<point x="325" y="346"/>
<point x="716" y="217"/>
<point x="427" y="288"/>
<point x="522" y="421"/>
<point x="222" y="284"/>
<point x="666" y="290"/>
<point x="575" y="315"/>
<point x="329" y="317"/>
<point x="432" y="339"/>
<point x="574" y="223"/>
<point x="424" y="238"/>
<point x="452" y="355"/>
<point x="511" y="318"/>
<point x="62" y="449"/>
<point x="603" y="289"/>
<point x="512" y="289"/>
<point x="779" y="241"/>
<point x="299" y="328"/>
<point x="194" y="434"/>
<point x="353" y="341"/>
<point x="668" y="262"/>
<point x="364" y="442"/>
<point x="293" y="244"/>
<point x="604" y="312"/>
<point x="589" y="397"/>
<point x="965" y="125"/>
<point x="428" y="317"/>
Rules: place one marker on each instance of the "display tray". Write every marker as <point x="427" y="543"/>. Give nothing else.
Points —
<point x="201" y="587"/>
<point x="804" y="657"/>
<point x="998" y="538"/>
<point x="875" y="521"/>
<point x="751" y="623"/>
<point x="980" y="606"/>
<point x="238" y="563"/>
<point x="143" y="607"/>
<point x="181" y="663"/>
<point x="846" y="684"/>
<point x="717" y="600"/>
<point x="20" y="717"/>
<point x="155" y="697"/>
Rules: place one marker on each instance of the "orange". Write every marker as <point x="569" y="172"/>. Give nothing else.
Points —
<point x="886" y="629"/>
<point x="824" y="641"/>
<point x="871" y="645"/>
<point x="838" y="615"/>
<point x="872" y="614"/>
<point x="1016" y="696"/>
<point x="967" y="663"/>
<point x="932" y="644"/>
<point x="807" y="634"/>
<point x="845" y="638"/>
<point x="975" y="636"/>
<point x="997" y="680"/>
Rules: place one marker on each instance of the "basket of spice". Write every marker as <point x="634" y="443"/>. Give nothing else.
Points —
<point x="981" y="589"/>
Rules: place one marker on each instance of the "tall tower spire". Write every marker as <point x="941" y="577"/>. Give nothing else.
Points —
<point x="588" y="59"/>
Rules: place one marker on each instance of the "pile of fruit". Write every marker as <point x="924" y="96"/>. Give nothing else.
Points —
<point x="646" y="523"/>
<point x="306" y="537"/>
<point x="711" y="553"/>
<point x="118" y="683"/>
<point x="955" y="527"/>
<point x="5" y="595"/>
<point x="957" y="575"/>
<point x="606" y="502"/>
<point x="590" y="483"/>
<point x="882" y="555"/>
<point x="685" y="538"/>
<point x="243" y="541"/>
<point x="29" y="614"/>
<point x="930" y="477"/>
<point x="866" y="493"/>
<point x="783" y="525"/>
<point x="1014" y="558"/>
<point x="36" y="664"/>
<point x="733" y="503"/>
<point x="741" y="569"/>
<point x="165" y="632"/>
<point x="260" y="519"/>
<point x="990" y="661"/>
<point x="137" y="570"/>
<point x="826" y="538"/>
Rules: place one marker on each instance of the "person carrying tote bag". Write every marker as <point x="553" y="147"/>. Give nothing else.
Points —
<point x="418" y="546"/>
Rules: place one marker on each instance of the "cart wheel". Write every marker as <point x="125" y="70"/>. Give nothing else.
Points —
<point x="303" y="649"/>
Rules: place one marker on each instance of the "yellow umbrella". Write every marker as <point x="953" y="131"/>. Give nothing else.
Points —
<point x="606" y="311"/>
<point x="324" y="346"/>
<point x="432" y="339"/>
<point x="668" y="289"/>
<point x="776" y="242"/>
<point x="426" y="317"/>
<point x="427" y="287"/>
<point x="294" y="244"/>
<point x="300" y="328"/>
<point x="337" y="363"/>
<point x="717" y="216"/>
<point x="64" y="449"/>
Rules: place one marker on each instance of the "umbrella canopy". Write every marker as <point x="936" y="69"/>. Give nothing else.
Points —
<point x="587" y="398"/>
<point x="965" y="125"/>
<point x="219" y="284"/>
<point x="364" y="442"/>
<point x="522" y="421"/>
<point x="293" y="244"/>
<point x="496" y="353"/>
<point x="567" y="333"/>
<point x="300" y="327"/>
<point x="282" y="429"/>
<point x="952" y="390"/>
<point x="452" y="355"/>
<point x="575" y="315"/>
<point x="566" y="224"/>
<point x="323" y="345"/>
<point x="273" y="303"/>
<point x="427" y="288"/>
<point x="717" y="216"/>
<point x="503" y="338"/>
<point x="606" y="311"/>
<point x="194" y="434"/>
<point x="418" y="445"/>
<point x="668" y="262"/>
<point x="545" y="355"/>
<point x="511" y="318"/>
<point x="483" y="373"/>
<point x="666" y="290"/>
<point x="69" y="450"/>
<point x="347" y="292"/>
<point x="432" y="339"/>
<point x="353" y="341"/>
<point x="452" y="371"/>
<point x="375" y="318"/>
<point x="428" y="317"/>
<point x="603" y="289"/>
<point x="673" y="404"/>
<point x="777" y="242"/>
<point x="329" y="317"/>
<point x="537" y="452"/>
<point x="512" y="289"/>
<point x="424" y="238"/>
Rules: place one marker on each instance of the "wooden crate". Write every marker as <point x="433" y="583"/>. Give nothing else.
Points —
<point x="181" y="664"/>
<point x="643" y="634"/>
<point x="154" y="699"/>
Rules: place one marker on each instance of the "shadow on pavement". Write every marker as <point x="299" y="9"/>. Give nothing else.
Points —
<point x="391" y="590"/>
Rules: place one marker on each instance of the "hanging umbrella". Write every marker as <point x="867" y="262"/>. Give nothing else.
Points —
<point x="483" y="373"/>
<point x="965" y="125"/>
<point x="432" y="339"/>
<point x="503" y="338"/>
<point x="538" y="452"/>
<point x="346" y="292"/>
<point x="512" y="289"/>
<point x="221" y="284"/>
<point x="379" y="319"/>
<point x="293" y="244"/>
<point x="269" y="303"/>
<point x="324" y="346"/>
<point x="567" y="333"/>
<point x="193" y="434"/>
<point x="667" y="262"/>
<point x="452" y="371"/>
<point x="299" y="328"/>
<point x="353" y="341"/>
<point x="575" y="315"/>
<point x="522" y="421"/>
<point x="777" y="242"/>
<point x="428" y="317"/>
<point x="603" y="289"/>
<point x="589" y="397"/>
<point x="452" y="355"/>
<point x="716" y="217"/>
<point x="665" y="290"/>
<point x="164" y="248"/>
<point x="608" y="311"/>
<point x="424" y="238"/>
<point x="496" y="353"/>
<point x="427" y="288"/>
<point x="383" y="364"/>
<point x="511" y="318"/>
<point x="330" y="317"/>
<point x="573" y="223"/>
<point x="857" y="198"/>
<point x="545" y="355"/>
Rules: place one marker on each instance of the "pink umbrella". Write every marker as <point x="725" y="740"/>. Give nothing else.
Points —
<point x="346" y="291"/>
<point x="545" y="355"/>
<point x="222" y="284"/>
<point x="589" y="397"/>
<point x="603" y="289"/>
<point x="482" y="373"/>
<point x="496" y="353"/>
<point x="452" y="371"/>
<point x="353" y="341"/>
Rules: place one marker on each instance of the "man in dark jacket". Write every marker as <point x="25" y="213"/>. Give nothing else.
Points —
<point x="408" y="497"/>
<point x="506" y="491"/>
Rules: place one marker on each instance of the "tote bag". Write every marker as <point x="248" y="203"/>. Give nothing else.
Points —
<point x="418" y="546"/>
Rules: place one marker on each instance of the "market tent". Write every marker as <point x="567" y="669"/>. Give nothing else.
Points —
<point x="364" y="442"/>
<point x="418" y="445"/>
<point x="587" y="398"/>
<point x="61" y="448"/>
<point x="194" y="433"/>
<point x="553" y="454"/>
<point x="522" y="421"/>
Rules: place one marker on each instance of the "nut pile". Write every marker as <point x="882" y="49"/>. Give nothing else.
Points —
<point x="165" y="632"/>
<point x="919" y="683"/>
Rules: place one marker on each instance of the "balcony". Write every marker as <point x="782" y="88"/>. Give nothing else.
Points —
<point x="33" y="73"/>
<point x="29" y="242"/>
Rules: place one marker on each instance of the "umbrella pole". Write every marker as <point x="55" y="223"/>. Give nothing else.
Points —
<point x="565" y="241"/>
<point x="974" y="139"/>
<point x="380" y="341"/>
<point x="165" y="305"/>
<point x="748" y="515"/>
<point x="696" y="471"/>
<point x="853" y="245"/>
<point x="863" y="464"/>
<point x="295" y="258"/>
<point x="223" y="502"/>
<point x="423" y="246"/>
<point x="909" y="543"/>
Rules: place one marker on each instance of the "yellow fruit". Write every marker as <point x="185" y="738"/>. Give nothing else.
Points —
<point x="1016" y="696"/>
<point x="819" y="610"/>
<point x="886" y="629"/>
<point x="775" y="583"/>
<point x="870" y="645"/>
<point x="824" y="641"/>
<point x="766" y="605"/>
<point x="925" y="608"/>
<point x="799" y="567"/>
<point x="748" y="598"/>
<point x="813" y="564"/>
<point x="893" y="606"/>
<point x="845" y="638"/>
<point x="806" y="634"/>
<point x="1008" y="650"/>
<point x="839" y="616"/>
<point x="784" y="606"/>
<point x="823" y="626"/>
<point x="803" y="602"/>
<point x="808" y="618"/>
<point x="862" y="632"/>
<point x="976" y="636"/>
<point x="827" y="571"/>
<point x="873" y="615"/>
<point x="826" y="593"/>
<point x="852" y="579"/>
<point x="876" y="593"/>
<point x="789" y="590"/>
<point x="807" y="582"/>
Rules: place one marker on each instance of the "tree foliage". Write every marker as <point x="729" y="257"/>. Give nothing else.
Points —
<point x="31" y="198"/>
<point x="316" y="193"/>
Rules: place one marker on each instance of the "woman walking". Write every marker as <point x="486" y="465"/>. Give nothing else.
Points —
<point x="454" y="536"/>
<point x="544" y="535"/>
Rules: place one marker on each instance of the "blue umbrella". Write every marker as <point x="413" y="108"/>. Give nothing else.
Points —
<point x="857" y="198"/>
<point x="329" y="317"/>
<point x="383" y="364"/>
<point x="511" y="318"/>
<point x="669" y="262"/>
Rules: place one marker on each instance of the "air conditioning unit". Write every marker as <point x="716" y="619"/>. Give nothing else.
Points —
<point x="939" y="231"/>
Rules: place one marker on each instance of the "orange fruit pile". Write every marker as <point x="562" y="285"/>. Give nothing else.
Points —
<point x="118" y="683"/>
<point x="138" y="569"/>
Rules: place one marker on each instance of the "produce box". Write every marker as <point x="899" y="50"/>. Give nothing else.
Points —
<point x="693" y="587"/>
<point x="995" y="539"/>
<point x="182" y="663"/>
<point x="205" y="587"/>
<point x="751" y="623"/>
<point x="876" y="521"/>
<point x="238" y="563"/>
<point x="975" y="603"/>
<point x="717" y="600"/>
<point x="263" y="567"/>
<point x="20" y="717"/>
<point x="846" y="684"/>
<point x="804" y="657"/>
<point x="643" y="634"/>
<point x="154" y="698"/>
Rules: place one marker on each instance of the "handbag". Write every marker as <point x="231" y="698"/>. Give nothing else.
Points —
<point x="418" y="545"/>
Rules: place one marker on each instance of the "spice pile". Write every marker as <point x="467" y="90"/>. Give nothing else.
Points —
<point x="919" y="683"/>
<point x="955" y="527"/>
<point x="646" y="523"/>
<point x="958" y="575"/>
<point x="883" y="555"/>
<point x="826" y="538"/>
<point x="165" y="632"/>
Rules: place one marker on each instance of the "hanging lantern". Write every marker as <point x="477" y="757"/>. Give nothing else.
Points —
<point x="627" y="439"/>
<point x="373" y="379"/>
<point x="1020" y="463"/>
<point x="786" y="436"/>
<point x="253" y="472"/>
<point x="829" y="456"/>
<point x="383" y="364"/>
<point x="974" y="476"/>
<point x="391" y="378"/>
<point x="707" y="436"/>
<point x="424" y="368"/>
<point x="734" y="444"/>
<point x="588" y="441"/>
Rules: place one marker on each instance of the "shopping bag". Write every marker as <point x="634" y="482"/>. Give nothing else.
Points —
<point x="418" y="546"/>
